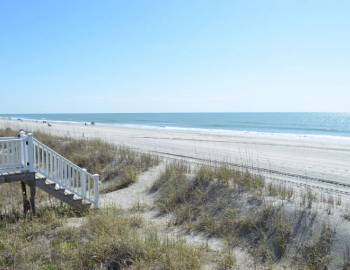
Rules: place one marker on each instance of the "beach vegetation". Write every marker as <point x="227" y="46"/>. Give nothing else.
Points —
<point x="106" y="239"/>
<point x="232" y="205"/>
<point x="317" y="254"/>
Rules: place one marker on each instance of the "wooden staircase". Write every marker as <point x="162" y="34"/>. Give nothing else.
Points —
<point x="61" y="194"/>
<point x="25" y="159"/>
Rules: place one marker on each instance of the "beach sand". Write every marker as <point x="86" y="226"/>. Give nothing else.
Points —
<point x="313" y="156"/>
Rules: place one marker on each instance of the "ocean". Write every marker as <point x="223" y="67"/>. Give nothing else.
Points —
<point x="333" y="124"/>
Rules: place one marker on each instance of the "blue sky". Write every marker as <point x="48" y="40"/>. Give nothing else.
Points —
<point x="174" y="56"/>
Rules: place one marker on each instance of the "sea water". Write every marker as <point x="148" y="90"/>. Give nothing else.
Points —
<point x="333" y="124"/>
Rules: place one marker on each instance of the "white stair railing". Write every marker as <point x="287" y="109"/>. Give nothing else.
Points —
<point x="26" y="154"/>
<point x="11" y="154"/>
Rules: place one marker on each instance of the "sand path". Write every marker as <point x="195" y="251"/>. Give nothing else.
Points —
<point x="137" y="195"/>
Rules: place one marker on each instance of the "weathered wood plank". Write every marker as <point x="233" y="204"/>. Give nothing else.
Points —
<point x="10" y="178"/>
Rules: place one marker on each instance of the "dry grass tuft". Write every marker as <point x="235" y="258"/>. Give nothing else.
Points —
<point x="317" y="255"/>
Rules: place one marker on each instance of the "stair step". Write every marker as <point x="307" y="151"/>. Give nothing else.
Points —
<point x="62" y="195"/>
<point x="78" y="201"/>
<point x="40" y="181"/>
<point x="69" y="195"/>
<point x="51" y="185"/>
<point x="85" y="206"/>
<point x="79" y="204"/>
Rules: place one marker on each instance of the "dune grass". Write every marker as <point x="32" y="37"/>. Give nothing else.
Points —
<point x="106" y="239"/>
<point x="234" y="206"/>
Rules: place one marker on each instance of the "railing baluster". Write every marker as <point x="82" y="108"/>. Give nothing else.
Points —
<point x="34" y="150"/>
<point x="6" y="154"/>
<point x="42" y="159"/>
<point x="1" y="154"/>
<point x="83" y="179"/>
<point x="47" y="162"/>
<point x="30" y="152"/>
<point x="64" y="170"/>
<point x="74" y="180"/>
<point x="96" y="189"/>
<point x="52" y="163"/>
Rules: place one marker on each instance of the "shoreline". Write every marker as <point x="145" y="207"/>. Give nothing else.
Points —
<point x="319" y="157"/>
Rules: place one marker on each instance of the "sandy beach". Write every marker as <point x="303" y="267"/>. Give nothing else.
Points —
<point x="313" y="156"/>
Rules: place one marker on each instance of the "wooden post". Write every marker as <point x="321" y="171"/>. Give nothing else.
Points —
<point x="32" y="198"/>
<point x="32" y="186"/>
<point x="22" y="136"/>
<point x="29" y="205"/>
<point x="26" y="203"/>
<point x="30" y="149"/>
